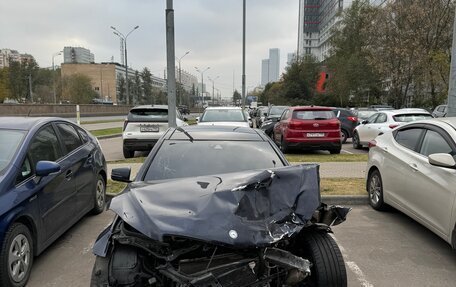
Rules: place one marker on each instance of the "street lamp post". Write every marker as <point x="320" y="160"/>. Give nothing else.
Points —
<point x="213" y="80"/>
<point x="202" y="83"/>
<point x="180" y="77"/>
<point x="116" y="32"/>
<point x="53" y="74"/>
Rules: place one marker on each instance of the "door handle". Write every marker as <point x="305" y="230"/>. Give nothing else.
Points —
<point x="413" y="166"/>
<point x="68" y="174"/>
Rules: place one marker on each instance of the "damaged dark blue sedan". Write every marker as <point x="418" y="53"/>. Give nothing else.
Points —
<point x="219" y="206"/>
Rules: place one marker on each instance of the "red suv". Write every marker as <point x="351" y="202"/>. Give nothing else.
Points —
<point x="309" y="128"/>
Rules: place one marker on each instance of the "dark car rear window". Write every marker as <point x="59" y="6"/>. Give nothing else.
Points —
<point x="146" y="115"/>
<point x="405" y="118"/>
<point x="313" y="115"/>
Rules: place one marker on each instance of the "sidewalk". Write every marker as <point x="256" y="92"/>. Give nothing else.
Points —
<point x="327" y="169"/>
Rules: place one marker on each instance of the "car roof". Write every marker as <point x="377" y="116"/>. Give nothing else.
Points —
<point x="25" y="123"/>
<point x="219" y="133"/>
<point x="223" y="108"/>
<point x="310" y="108"/>
<point x="404" y="112"/>
<point x="151" y="107"/>
<point x="450" y="120"/>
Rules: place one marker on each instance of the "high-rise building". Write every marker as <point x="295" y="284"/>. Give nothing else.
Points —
<point x="8" y="55"/>
<point x="77" y="55"/>
<point x="264" y="72"/>
<point x="291" y="57"/>
<point x="270" y="68"/>
<point x="316" y="21"/>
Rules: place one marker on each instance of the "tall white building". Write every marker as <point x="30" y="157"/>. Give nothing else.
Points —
<point x="270" y="68"/>
<point x="8" y="55"/>
<point x="77" y="55"/>
<point x="316" y="21"/>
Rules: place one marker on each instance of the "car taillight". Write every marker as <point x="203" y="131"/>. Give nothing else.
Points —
<point x="353" y="119"/>
<point x="372" y="143"/>
<point x="392" y="126"/>
<point x="125" y="125"/>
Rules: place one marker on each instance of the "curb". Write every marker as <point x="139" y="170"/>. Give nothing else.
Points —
<point x="345" y="199"/>
<point x="109" y="136"/>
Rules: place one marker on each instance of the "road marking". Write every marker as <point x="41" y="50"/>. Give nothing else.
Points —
<point x="346" y="151"/>
<point x="354" y="267"/>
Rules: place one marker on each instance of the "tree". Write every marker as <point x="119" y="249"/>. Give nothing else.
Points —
<point x="236" y="97"/>
<point x="121" y="88"/>
<point x="137" y="89"/>
<point x="148" y="96"/>
<point x="78" y="89"/>
<point x="5" y="90"/>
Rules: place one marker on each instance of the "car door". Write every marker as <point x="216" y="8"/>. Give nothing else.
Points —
<point x="55" y="197"/>
<point x="79" y="161"/>
<point x="365" y="129"/>
<point x="280" y="126"/>
<point x="430" y="191"/>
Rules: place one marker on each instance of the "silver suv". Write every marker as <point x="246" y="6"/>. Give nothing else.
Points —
<point x="440" y="111"/>
<point x="144" y="126"/>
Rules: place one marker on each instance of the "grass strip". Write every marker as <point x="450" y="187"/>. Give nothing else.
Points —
<point x="326" y="157"/>
<point x="343" y="186"/>
<point x="140" y="159"/>
<point x="115" y="186"/>
<point x="101" y="122"/>
<point x="106" y="132"/>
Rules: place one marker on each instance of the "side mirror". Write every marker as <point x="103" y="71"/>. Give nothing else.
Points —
<point x="364" y="122"/>
<point x="265" y="114"/>
<point x="185" y="119"/>
<point x="197" y="119"/>
<point x="442" y="160"/>
<point x="121" y="174"/>
<point x="44" y="168"/>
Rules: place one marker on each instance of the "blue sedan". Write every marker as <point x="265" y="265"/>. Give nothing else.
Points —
<point x="52" y="173"/>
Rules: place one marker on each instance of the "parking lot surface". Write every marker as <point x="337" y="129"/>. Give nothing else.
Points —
<point x="379" y="248"/>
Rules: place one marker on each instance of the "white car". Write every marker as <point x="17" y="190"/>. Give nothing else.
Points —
<point x="144" y="126"/>
<point x="225" y="116"/>
<point x="384" y="121"/>
<point x="413" y="169"/>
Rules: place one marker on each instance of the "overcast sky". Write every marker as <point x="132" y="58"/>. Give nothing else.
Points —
<point x="210" y="29"/>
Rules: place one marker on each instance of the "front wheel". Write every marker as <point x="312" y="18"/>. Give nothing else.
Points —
<point x="344" y="136"/>
<point x="328" y="267"/>
<point x="284" y="146"/>
<point x="16" y="256"/>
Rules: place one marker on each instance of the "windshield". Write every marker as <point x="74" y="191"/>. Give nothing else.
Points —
<point x="9" y="143"/>
<point x="276" y="111"/>
<point x="147" y="115"/>
<point x="223" y="115"/>
<point x="177" y="159"/>
<point x="365" y="114"/>
<point x="411" y="117"/>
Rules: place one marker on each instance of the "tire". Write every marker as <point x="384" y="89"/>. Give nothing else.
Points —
<point x="17" y="237"/>
<point x="128" y="153"/>
<point x="100" y="272"/>
<point x="328" y="267"/>
<point x="355" y="141"/>
<point x="99" y="196"/>
<point x="344" y="136"/>
<point x="334" y="151"/>
<point x="284" y="146"/>
<point x="375" y="190"/>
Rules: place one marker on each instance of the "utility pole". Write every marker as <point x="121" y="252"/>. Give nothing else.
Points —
<point x="243" y="56"/>
<point x="30" y="87"/>
<point x="179" y="91"/>
<point x="53" y="75"/>
<point x="213" y="94"/>
<point x="452" y="79"/>
<point x="171" y="66"/>
<point x="202" y="84"/>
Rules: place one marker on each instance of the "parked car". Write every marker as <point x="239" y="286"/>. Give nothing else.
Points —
<point x="384" y="121"/>
<point x="413" y="169"/>
<point x="380" y="107"/>
<point x="225" y="116"/>
<point x="144" y="126"/>
<point x="219" y="206"/>
<point x="348" y="121"/>
<point x="440" y="111"/>
<point x="260" y="115"/>
<point x="308" y="128"/>
<point x="52" y="173"/>
<point x="363" y="114"/>
<point x="271" y="119"/>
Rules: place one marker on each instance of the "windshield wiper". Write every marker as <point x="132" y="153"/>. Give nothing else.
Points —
<point x="185" y="133"/>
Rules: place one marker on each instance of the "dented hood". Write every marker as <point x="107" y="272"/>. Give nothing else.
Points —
<point x="251" y="208"/>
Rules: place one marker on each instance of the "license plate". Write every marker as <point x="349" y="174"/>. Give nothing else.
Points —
<point x="148" y="128"/>
<point x="315" y="135"/>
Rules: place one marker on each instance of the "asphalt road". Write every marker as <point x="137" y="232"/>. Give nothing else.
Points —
<point x="379" y="248"/>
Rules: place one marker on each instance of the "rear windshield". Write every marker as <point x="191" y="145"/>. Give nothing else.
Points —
<point x="313" y="115"/>
<point x="276" y="110"/>
<point x="223" y="115"/>
<point x="9" y="143"/>
<point x="148" y="115"/>
<point x="177" y="159"/>
<point x="405" y="118"/>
